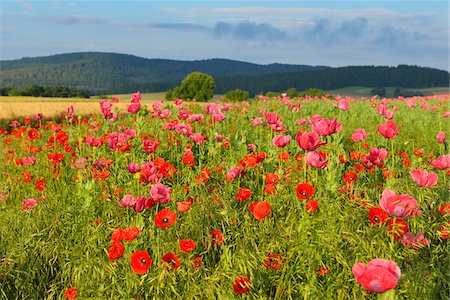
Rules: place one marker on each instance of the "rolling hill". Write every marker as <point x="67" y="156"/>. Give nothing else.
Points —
<point x="110" y="73"/>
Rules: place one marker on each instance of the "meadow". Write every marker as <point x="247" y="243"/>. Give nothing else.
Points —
<point x="273" y="198"/>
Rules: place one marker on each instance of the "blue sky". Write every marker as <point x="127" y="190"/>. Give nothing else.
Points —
<point x="332" y="33"/>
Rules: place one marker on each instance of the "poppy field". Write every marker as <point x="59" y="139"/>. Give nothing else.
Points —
<point x="274" y="198"/>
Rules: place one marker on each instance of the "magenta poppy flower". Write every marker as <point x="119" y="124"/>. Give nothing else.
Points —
<point x="376" y="157"/>
<point x="127" y="201"/>
<point x="281" y="141"/>
<point x="399" y="205"/>
<point x="309" y="141"/>
<point x="378" y="276"/>
<point x="28" y="204"/>
<point x="257" y="121"/>
<point x="150" y="146"/>
<point x="133" y="168"/>
<point x="323" y="126"/>
<point x="388" y="114"/>
<point x="160" y="193"/>
<point x="442" y="162"/>
<point x="183" y="129"/>
<point x="441" y="137"/>
<point x="134" y="108"/>
<point x="423" y="178"/>
<point x="343" y="104"/>
<point x="197" y="138"/>
<point x="271" y="117"/>
<point x="359" y="135"/>
<point x="389" y="130"/>
<point x="415" y="242"/>
<point x="316" y="160"/>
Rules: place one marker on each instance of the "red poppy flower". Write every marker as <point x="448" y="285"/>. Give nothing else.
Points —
<point x="283" y="156"/>
<point x="270" y="189"/>
<point x="196" y="262"/>
<point x="216" y="237"/>
<point x="117" y="235"/>
<point x="116" y="251"/>
<point x="40" y="184"/>
<point x="183" y="206"/>
<point x="260" y="210"/>
<point x="187" y="246"/>
<point x="140" y="261"/>
<point x="33" y="134"/>
<point x="444" y="209"/>
<point x="397" y="228"/>
<point x="165" y="218"/>
<point x="243" y="194"/>
<point x="304" y="191"/>
<point x="241" y="285"/>
<point x="311" y="206"/>
<point x="271" y="178"/>
<point x="172" y="260"/>
<point x="350" y="177"/>
<point x="130" y="233"/>
<point x="443" y="231"/>
<point x="188" y="159"/>
<point x="71" y="294"/>
<point x="273" y="261"/>
<point x="377" y="215"/>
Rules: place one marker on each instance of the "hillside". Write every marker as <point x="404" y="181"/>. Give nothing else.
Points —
<point x="110" y="73"/>
<point x="115" y="73"/>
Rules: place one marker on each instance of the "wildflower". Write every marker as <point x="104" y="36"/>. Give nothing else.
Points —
<point x="116" y="251"/>
<point x="271" y="178"/>
<point x="441" y="137"/>
<point x="33" y="134"/>
<point x="316" y="159"/>
<point x="281" y="141"/>
<point x="40" y="184"/>
<point x="271" y="117"/>
<point x="172" y="260"/>
<point x="71" y="294"/>
<point x="444" y="209"/>
<point x="273" y="261"/>
<point x="127" y="201"/>
<point x="241" y="285"/>
<point x="350" y="177"/>
<point x="183" y="206"/>
<point x="196" y="262"/>
<point x="415" y="242"/>
<point x="150" y="146"/>
<point x="243" y="194"/>
<point x="216" y="237"/>
<point x="397" y="228"/>
<point x="359" y="135"/>
<point x="399" y="205"/>
<point x="188" y="158"/>
<point x="423" y="178"/>
<point x="130" y="233"/>
<point x="323" y="271"/>
<point x="187" y="246"/>
<point x="311" y="206"/>
<point x="165" y="218"/>
<point x="260" y="209"/>
<point x="443" y="231"/>
<point x="378" y="276"/>
<point x="304" y="191"/>
<point x="117" y="235"/>
<point x="140" y="261"/>
<point x="160" y="193"/>
<point x="308" y="141"/>
<point x="323" y="126"/>
<point x="377" y="215"/>
<point x="442" y="162"/>
<point x="389" y="130"/>
<point x="28" y="204"/>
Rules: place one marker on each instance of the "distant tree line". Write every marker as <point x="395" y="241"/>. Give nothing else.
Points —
<point x="44" y="91"/>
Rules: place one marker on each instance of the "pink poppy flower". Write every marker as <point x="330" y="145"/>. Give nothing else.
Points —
<point x="389" y="130"/>
<point x="415" y="242"/>
<point x="378" y="276"/>
<point x="399" y="205"/>
<point x="196" y="117"/>
<point x="309" y="141"/>
<point x="423" y="178"/>
<point x="323" y="126"/>
<point x="281" y="141"/>
<point x="343" y="104"/>
<point x="271" y="117"/>
<point x="441" y="137"/>
<point x="134" y="108"/>
<point x="150" y="146"/>
<point x="375" y="157"/>
<point x="257" y="121"/>
<point x="251" y="147"/>
<point x="316" y="160"/>
<point x="28" y="204"/>
<point x="127" y="201"/>
<point x="388" y="114"/>
<point x="442" y="162"/>
<point x="381" y="109"/>
<point x="219" y="117"/>
<point x="197" y="138"/>
<point x="160" y="193"/>
<point x="183" y="129"/>
<point x="136" y="97"/>
<point x="133" y="168"/>
<point x="359" y="135"/>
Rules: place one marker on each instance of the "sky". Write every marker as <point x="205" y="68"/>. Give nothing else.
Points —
<point x="332" y="33"/>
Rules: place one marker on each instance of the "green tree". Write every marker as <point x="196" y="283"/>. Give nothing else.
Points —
<point x="313" y="93"/>
<point x="292" y="92"/>
<point x="236" y="94"/>
<point x="379" y="90"/>
<point x="197" y="85"/>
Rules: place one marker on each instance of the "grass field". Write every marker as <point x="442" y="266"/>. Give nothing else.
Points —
<point x="362" y="91"/>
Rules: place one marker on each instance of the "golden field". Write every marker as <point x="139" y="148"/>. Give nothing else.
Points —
<point x="20" y="106"/>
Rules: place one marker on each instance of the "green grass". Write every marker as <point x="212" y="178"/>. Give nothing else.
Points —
<point x="360" y="91"/>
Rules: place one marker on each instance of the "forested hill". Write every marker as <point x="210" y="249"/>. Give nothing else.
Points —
<point x="109" y="73"/>
<point x="97" y="72"/>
